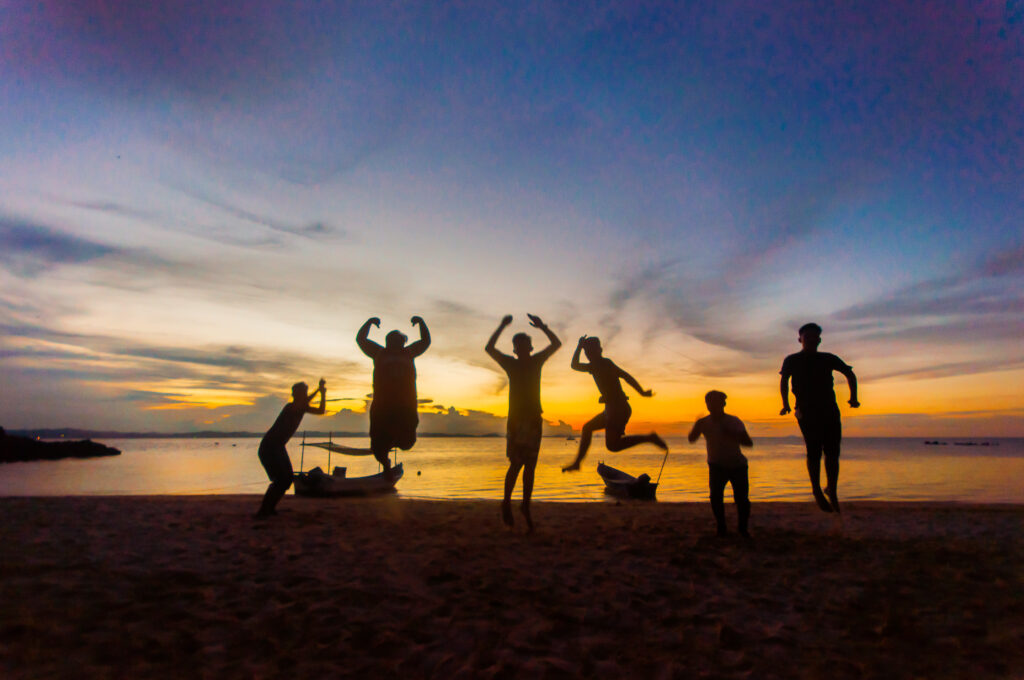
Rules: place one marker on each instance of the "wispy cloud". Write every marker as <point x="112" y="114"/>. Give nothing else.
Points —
<point x="30" y="248"/>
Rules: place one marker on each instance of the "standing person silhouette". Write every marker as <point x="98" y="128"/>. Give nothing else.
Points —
<point x="525" y="425"/>
<point x="393" y="415"/>
<point x="724" y="434"/>
<point x="273" y="454"/>
<point x="817" y="412"/>
<point x="616" y="404"/>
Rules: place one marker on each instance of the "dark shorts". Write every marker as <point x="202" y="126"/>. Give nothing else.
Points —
<point x="393" y="427"/>
<point x="276" y="462"/>
<point x="720" y="475"/>
<point x="522" y="440"/>
<point x="822" y="431"/>
<point x="616" y="415"/>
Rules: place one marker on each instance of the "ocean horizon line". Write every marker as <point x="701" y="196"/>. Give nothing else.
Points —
<point x="78" y="433"/>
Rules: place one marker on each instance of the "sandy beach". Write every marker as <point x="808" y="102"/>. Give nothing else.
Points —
<point x="389" y="587"/>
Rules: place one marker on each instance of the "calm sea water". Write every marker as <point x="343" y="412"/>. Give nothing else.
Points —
<point x="872" y="469"/>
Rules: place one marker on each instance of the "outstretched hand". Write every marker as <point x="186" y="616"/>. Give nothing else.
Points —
<point x="785" y="410"/>
<point x="535" y="321"/>
<point x="854" y="403"/>
<point x="416" y="321"/>
<point x="323" y="384"/>
<point x="582" y="339"/>
<point x="374" y="321"/>
<point x="506" y="320"/>
<point x="646" y="393"/>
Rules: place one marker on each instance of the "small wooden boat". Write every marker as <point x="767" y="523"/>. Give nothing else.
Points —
<point x="318" y="484"/>
<point x="622" y="485"/>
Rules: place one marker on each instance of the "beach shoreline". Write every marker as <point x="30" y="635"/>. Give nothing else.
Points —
<point x="158" y="586"/>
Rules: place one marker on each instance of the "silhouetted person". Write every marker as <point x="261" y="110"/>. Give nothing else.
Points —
<point x="274" y="455"/>
<point x="393" y="414"/>
<point x="616" y="404"/>
<point x="724" y="434"/>
<point x="816" y="410"/>
<point x="525" y="425"/>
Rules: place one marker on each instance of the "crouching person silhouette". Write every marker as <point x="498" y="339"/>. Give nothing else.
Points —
<point x="273" y="454"/>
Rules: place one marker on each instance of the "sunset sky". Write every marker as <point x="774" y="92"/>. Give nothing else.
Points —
<point x="200" y="203"/>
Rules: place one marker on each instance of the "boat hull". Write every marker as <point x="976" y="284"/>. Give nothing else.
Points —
<point x="317" y="484"/>
<point x="622" y="485"/>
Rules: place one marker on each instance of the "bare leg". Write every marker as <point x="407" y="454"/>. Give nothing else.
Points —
<point x="595" y="423"/>
<point x="275" y="492"/>
<point x="380" y="452"/>
<point x="619" y="443"/>
<point x="832" y="480"/>
<point x="741" y="496"/>
<point x="717" y="479"/>
<point x="510" y="484"/>
<point x="811" y="430"/>
<point x="528" y="471"/>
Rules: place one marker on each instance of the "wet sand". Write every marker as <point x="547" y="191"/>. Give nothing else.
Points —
<point x="386" y="588"/>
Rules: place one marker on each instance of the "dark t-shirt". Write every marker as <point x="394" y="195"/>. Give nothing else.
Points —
<point x="812" y="378"/>
<point x="285" y="426"/>
<point x="394" y="379"/>
<point x="523" y="385"/>
<point x="606" y="376"/>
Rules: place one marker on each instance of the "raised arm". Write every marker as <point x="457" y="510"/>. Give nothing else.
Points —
<point x="322" y="408"/>
<point x="491" y="348"/>
<point x="631" y="381"/>
<point x="851" y="379"/>
<point x="553" y="342"/>
<point x="369" y="347"/>
<point x="576" y="364"/>
<point x="420" y="346"/>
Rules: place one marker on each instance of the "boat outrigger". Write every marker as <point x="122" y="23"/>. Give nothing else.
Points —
<point x="318" y="484"/>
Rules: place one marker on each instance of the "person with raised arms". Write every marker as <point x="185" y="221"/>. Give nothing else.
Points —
<point x="272" y="452"/>
<point x="525" y="425"/>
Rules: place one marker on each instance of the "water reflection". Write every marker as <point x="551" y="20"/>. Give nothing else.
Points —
<point x="877" y="469"/>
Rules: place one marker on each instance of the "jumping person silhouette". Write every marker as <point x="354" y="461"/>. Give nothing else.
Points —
<point x="273" y="454"/>
<point x="525" y="425"/>
<point x="393" y="415"/>
<point x="616" y="405"/>
<point x="816" y="410"/>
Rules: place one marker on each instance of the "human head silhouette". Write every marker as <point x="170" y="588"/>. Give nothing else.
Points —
<point x="592" y="348"/>
<point x="810" y="336"/>
<point x="300" y="390"/>
<point x="522" y="345"/>
<point x="715" y="401"/>
<point x="395" y="340"/>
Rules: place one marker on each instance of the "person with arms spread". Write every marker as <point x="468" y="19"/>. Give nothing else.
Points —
<point x="616" y="404"/>
<point x="724" y="434"/>
<point x="525" y="425"/>
<point x="273" y="454"/>
<point x="817" y="412"/>
<point x="393" y="414"/>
